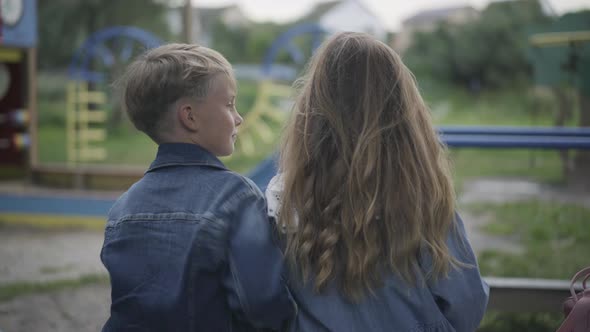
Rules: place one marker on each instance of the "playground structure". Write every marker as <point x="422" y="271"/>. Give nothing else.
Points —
<point x="18" y="84"/>
<point x="560" y="55"/>
<point x="85" y="103"/>
<point x="265" y="111"/>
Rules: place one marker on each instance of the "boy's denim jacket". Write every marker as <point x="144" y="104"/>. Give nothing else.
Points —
<point x="189" y="248"/>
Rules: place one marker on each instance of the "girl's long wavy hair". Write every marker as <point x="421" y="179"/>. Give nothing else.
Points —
<point x="367" y="184"/>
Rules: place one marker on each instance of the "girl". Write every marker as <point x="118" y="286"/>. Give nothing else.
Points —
<point x="366" y="201"/>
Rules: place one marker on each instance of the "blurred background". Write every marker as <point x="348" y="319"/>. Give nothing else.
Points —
<point x="508" y="84"/>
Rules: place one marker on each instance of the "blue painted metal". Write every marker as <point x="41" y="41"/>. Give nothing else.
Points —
<point x="71" y="206"/>
<point x="284" y="42"/>
<point x="55" y="205"/>
<point x="529" y="131"/>
<point x="92" y="207"/>
<point x="517" y="142"/>
<point x="262" y="173"/>
<point x="23" y="33"/>
<point x="95" y="46"/>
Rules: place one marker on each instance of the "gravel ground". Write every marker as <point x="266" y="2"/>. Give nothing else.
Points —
<point x="42" y="255"/>
<point x="67" y="310"/>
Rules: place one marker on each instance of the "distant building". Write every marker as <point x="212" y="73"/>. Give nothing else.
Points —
<point x="428" y="20"/>
<point x="204" y="19"/>
<point x="346" y="15"/>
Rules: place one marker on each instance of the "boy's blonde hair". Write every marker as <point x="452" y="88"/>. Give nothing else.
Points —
<point x="163" y="75"/>
<point x="367" y="181"/>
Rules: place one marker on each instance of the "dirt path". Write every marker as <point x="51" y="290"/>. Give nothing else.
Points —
<point x="68" y="310"/>
<point x="40" y="255"/>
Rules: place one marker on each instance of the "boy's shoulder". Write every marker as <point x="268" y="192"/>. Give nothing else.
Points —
<point x="242" y="184"/>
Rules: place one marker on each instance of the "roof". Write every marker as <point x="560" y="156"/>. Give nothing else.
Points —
<point x="431" y="15"/>
<point x="322" y="8"/>
<point x="319" y="10"/>
<point x="208" y="15"/>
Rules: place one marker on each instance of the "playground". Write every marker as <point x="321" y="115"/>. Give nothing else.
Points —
<point x="521" y="164"/>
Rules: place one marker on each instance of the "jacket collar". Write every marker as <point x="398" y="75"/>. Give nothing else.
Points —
<point x="184" y="154"/>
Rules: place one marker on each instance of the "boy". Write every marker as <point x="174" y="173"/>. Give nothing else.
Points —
<point x="188" y="247"/>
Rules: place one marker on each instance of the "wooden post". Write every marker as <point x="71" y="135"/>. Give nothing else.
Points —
<point x="32" y="108"/>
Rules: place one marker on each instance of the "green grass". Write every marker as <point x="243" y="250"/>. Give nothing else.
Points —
<point x="52" y="144"/>
<point x="541" y="166"/>
<point x="12" y="290"/>
<point x="452" y="106"/>
<point x="556" y="244"/>
<point x="555" y="237"/>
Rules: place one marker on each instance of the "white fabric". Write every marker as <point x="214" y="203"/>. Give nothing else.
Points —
<point x="273" y="195"/>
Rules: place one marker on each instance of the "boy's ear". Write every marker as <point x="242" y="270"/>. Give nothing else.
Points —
<point x="187" y="117"/>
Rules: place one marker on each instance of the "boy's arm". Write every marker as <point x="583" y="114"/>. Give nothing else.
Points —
<point x="257" y="291"/>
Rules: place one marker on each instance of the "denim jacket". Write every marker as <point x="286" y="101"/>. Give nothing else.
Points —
<point x="455" y="303"/>
<point x="189" y="248"/>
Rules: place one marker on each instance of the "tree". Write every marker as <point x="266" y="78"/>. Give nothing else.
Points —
<point x="490" y="51"/>
<point x="67" y="23"/>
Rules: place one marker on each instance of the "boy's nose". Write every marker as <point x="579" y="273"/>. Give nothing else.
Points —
<point x="239" y="120"/>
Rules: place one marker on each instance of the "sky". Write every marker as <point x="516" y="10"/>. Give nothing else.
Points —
<point x="390" y="12"/>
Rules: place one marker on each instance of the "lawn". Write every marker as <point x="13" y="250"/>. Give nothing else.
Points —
<point x="556" y="245"/>
<point x="554" y="235"/>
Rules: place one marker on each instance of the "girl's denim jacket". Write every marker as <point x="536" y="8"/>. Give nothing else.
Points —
<point x="455" y="303"/>
<point x="189" y="248"/>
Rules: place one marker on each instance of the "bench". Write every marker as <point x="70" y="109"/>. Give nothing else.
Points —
<point x="528" y="295"/>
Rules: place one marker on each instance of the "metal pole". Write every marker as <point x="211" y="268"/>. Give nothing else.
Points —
<point x="187" y="22"/>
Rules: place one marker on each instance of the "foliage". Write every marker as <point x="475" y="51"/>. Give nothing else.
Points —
<point x="487" y="52"/>
<point x="66" y="24"/>
<point x="248" y="44"/>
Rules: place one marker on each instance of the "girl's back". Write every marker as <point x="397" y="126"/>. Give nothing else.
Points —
<point x="454" y="303"/>
<point x="368" y="206"/>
